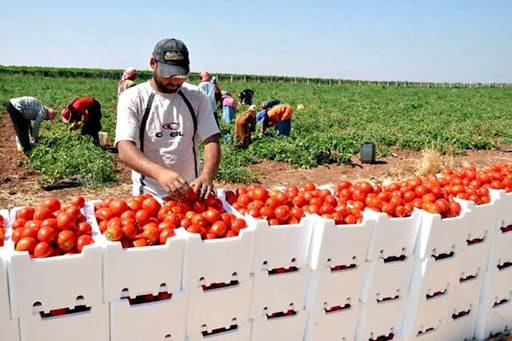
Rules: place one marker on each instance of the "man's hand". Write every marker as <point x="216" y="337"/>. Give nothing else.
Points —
<point x="203" y="185"/>
<point x="172" y="182"/>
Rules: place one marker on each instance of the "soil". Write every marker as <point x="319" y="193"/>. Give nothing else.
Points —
<point x="19" y="185"/>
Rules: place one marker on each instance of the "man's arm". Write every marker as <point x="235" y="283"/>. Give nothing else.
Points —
<point x="171" y="181"/>
<point x="212" y="154"/>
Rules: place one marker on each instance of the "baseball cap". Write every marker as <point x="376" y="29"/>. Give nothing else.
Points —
<point x="172" y="58"/>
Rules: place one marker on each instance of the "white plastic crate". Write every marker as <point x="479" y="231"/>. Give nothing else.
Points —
<point x="501" y="249"/>
<point x="505" y="212"/>
<point x="393" y="237"/>
<point x="461" y="321"/>
<point x="483" y="219"/>
<point x="472" y="263"/>
<point x="336" y="287"/>
<point x="441" y="236"/>
<point x="237" y="332"/>
<point x="217" y="260"/>
<point x="387" y="280"/>
<point x="9" y="329"/>
<point x="126" y="271"/>
<point x="279" y="292"/>
<point x="218" y="308"/>
<point x="339" y="245"/>
<point x="339" y="325"/>
<point x="83" y="326"/>
<point x="280" y="246"/>
<point x="152" y="321"/>
<point x="430" y="296"/>
<point x="286" y="328"/>
<point x="62" y="282"/>
<point x="495" y="308"/>
<point x="381" y="319"/>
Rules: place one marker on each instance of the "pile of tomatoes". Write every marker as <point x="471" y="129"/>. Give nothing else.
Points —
<point x="142" y="221"/>
<point x="2" y="230"/>
<point x="399" y="199"/>
<point x="274" y="206"/>
<point x="52" y="228"/>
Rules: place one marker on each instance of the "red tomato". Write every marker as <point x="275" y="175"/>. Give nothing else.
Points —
<point x="118" y="207"/>
<point x="103" y="214"/>
<point x="66" y="240"/>
<point x="26" y="213"/>
<point x="65" y="221"/>
<point x="84" y="228"/>
<point x="218" y="228"/>
<point x="140" y="242"/>
<point x="166" y="234"/>
<point x="237" y="224"/>
<point x="47" y="234"/>
<point x="43" y="250"/>
<point x="142" y="216"/>
<point x="42" y="213"/>
<point x="151" y="205"/>
<point x="78" y="201"/>
<point x="212" y="215"/>
<point x="53" y="204"/>
<point x="82" y="241"/>
<point x="282" y="213"/>
<point x="26" y="244"/>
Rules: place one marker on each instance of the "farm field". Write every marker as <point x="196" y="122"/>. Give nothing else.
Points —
<point x="327" y="133"/>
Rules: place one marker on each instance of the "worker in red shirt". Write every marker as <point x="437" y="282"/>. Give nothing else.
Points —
<point x="86" y="111"/>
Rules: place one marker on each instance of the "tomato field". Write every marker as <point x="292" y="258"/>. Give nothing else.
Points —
<point x="329" y="130"/>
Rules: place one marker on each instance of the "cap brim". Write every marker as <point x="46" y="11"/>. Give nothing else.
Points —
<point x="168" y="70"/>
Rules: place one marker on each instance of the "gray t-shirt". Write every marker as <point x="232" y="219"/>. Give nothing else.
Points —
<point x="169" y="131"/>
<point x="32" y="109"/>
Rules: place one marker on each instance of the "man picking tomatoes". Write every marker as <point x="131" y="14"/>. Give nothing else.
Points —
<point x="24" y="110"/>
<point x="160" y="124"/>
<point x="85" y="111"/>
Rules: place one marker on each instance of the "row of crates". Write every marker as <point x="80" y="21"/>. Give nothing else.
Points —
<point x="419" y="277"/>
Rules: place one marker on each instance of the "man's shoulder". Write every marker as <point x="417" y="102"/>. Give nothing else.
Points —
<point x="142" y="89"/>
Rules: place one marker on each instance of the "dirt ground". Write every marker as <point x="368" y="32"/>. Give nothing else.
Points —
<point x="19" y="186"/>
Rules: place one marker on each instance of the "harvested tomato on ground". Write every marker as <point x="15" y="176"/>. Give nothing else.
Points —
<point x="51" y="228"/>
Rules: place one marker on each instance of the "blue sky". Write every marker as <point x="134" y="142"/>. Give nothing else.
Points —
<point x="452" y="41"/>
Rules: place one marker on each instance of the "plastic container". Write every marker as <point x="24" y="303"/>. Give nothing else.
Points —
<point x="279" y="292"/>
<point x="62" y="282"/>
<point x="285" y="328"/>
<point x="83" y="326"/>
<point x="382" y="319"/>
<point x="214" y="261"/>
<point x="495" y="308"/>
<point x="387" y="280"/>
<point x="282" y="246"/>
<point x="126" y="271"/>
<point x="393" y="237"/>
<point x="213" y="309"/>
<point x="339" y="245"/>
<point x="333" y="325"/>
<point x="442" y="236"/>
<point x="160" y="320"/>
<point x="430" y="296"/>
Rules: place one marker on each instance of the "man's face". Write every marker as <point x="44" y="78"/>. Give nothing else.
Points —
<point x="167" y="85"/>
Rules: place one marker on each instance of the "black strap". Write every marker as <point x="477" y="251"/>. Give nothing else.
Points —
<point x="194" y="121"/>
<point x="142" y="130"/>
